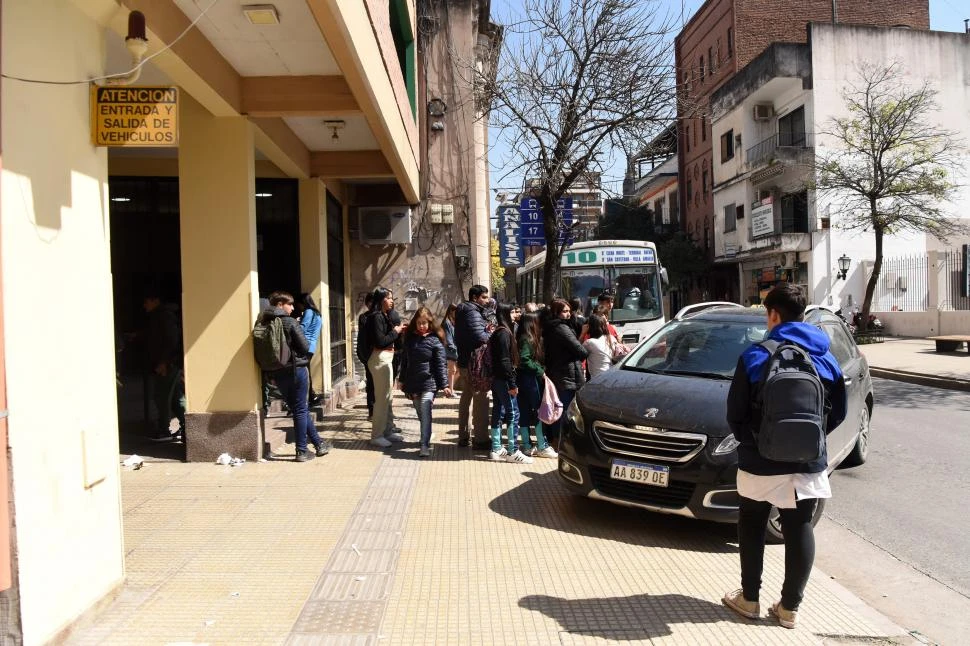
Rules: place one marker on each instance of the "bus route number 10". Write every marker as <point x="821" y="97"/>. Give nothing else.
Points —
<point x="583" y="257"/>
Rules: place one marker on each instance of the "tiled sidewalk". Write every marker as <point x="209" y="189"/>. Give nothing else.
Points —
<point x="371" y="547"/>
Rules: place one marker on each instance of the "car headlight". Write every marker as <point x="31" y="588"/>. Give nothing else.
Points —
<point x="727" y="445"/>
<point x="573" y="415"/>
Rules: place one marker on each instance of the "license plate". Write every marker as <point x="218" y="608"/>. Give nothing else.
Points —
<point x="648" y="474"/>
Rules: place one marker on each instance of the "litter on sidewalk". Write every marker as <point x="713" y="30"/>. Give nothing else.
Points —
<point x="227" y="460"/>
<point x="133" y="462"/>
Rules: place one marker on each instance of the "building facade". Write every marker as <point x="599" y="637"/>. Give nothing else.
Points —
<point x="768" y="121"/>
<point x="292" y="122"/>
<point x="720" y="39"/>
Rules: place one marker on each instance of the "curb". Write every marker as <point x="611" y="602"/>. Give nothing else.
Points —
<point x="949" y="383"/>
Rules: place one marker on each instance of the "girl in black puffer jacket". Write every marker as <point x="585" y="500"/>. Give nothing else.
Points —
<point x="424" y="370"/>
<point x="564" y="358"/>
<point x="505" y="360"/>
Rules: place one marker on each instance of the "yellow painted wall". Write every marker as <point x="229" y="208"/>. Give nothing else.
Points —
<point x="58" y="319"/>
<point x="219" y="282"/>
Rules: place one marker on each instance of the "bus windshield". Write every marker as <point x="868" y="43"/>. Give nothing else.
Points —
<point x="584" y="284"/>
<point x="637" y="293"/>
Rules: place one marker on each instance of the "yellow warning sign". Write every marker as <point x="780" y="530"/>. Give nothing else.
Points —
<point x="134" y="116"/>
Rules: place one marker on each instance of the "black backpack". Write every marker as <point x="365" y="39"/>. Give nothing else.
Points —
<point x="792" y="403"/>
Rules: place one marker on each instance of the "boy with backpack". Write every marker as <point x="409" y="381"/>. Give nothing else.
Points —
<point x="788" y="393"/>
<point x="282" y="351"/>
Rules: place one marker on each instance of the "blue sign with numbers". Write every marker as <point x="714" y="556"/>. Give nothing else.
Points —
<point x="532" y="233"/>
<point x="509" y="240"/>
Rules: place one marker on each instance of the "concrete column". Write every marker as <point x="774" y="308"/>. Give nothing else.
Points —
<point x="313" y="270"/>
<point x="219" y="284"/>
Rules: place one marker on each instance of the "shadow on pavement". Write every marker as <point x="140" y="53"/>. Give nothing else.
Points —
<point x="633" y="618"/>
<point x="542" y="501"/>
<point x="899" y="394"/>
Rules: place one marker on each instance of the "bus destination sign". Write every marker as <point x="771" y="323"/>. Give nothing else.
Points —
<point x="609" y="256"/>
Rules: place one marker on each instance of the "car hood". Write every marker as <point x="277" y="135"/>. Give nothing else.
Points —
<point x="681" y="403"/>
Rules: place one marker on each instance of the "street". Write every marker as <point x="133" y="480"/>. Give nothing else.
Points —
<point x="895" y="532"/>
<point x="910" y="497"/>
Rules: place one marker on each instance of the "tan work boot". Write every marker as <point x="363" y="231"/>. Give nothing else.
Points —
<point x="736" y="602"/>
<point x="784" y="616"/>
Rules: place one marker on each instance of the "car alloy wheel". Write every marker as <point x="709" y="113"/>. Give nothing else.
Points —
<point x="860" y="452"/>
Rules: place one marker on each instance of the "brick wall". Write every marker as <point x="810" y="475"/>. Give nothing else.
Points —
<point x="762" y="22"/>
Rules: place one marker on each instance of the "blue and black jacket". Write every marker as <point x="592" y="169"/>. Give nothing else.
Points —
<point x="743" y="415"/>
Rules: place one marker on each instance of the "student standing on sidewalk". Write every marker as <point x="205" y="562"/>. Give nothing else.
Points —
<point x="311" y="322"/>
<point x="381" y="334"/>
<point x="363" y="351"/>
<point x="471" y="332"/>
<point x="599" y="345"/>
<point x="423" y="370"/>
<point x="529" y="377"/>
<point x="564" y="358"/>
<point x="451" y="350"/>
<point x="792" y="487"/>
<point x="505" y="359"/>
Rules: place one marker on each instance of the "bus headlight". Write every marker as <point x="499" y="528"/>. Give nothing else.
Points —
<point x="726" y="446"/>
<point x="575" y="417"/>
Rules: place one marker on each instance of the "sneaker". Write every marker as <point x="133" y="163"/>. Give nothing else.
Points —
<point x="395" y="437"/>
<point x="547" y="452"/>
<point x="323" y="448"/>
<point x="498" y="456"/>
<point x="518" y="457"/>
<point x="425" y="451"/>
<point x="304" y="456"/>
<point x="736" y="602"/>
<point x="380" y="442"/>
<point x="785" y="617"/>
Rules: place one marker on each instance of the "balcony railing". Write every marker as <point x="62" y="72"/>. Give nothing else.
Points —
<point x="765" y="150"/>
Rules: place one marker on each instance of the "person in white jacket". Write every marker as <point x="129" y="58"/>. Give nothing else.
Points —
<point x="599" y="345"/>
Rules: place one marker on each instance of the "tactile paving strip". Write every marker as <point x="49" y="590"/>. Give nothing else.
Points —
<point x="348" y="602"/>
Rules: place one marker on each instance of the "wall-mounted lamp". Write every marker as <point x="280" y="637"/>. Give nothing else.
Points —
<point x="137" y="43"/>
<point x="463" y="256"/>
<point x="334" y="126"/>
<point x="437" y="109"/>
<point x="844" y="262"/>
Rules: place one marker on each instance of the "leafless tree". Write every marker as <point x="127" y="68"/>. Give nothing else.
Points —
<point x="578" y="80"/>
<point x="890" y="168"/>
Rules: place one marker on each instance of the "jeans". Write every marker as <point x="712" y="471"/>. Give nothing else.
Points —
<point x="294" y="383"/>
<point x="799" y="548"/>
<point x="381" y="369"/>
<point x="370" y="392"/>
<point x="478" y="403"/>
<point x="504" y="405"/>
<point x="422" y="406"/>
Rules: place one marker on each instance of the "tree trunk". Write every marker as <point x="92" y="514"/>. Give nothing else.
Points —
<point x="873" y="281"/>
<point x="550" y="269"/>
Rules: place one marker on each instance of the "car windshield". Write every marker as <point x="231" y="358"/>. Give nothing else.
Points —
<point x="702" y="348"/>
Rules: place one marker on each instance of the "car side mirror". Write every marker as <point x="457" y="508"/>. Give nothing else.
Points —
<point x="664" y="280"/>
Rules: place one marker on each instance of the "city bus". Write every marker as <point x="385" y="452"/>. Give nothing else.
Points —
<point x="630" y="268"/>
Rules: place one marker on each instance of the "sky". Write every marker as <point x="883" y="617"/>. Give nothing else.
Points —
<point x="945" y="15"/>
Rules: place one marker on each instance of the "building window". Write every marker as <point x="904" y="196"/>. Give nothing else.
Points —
<point x="335" y="278"/>
<point x="695" y="134"/>
<point x="703" y="128"/>
<point x="730" y="218"/>
<point x="658" y="212"/>
<point x="674" y="210"/>
<point x="730" y="42"/>
<point x="707" y="236"/>
<point x="690" y="193"/>
<point x="687" y="137"/>
<point x="404" y="44"/>
<point x="704" y="183"/>
<point x="700" y="65"/>
<point x="727" y="146"/>
<point x="794" y="213"/>
<point x="719" y="59"/>
<point x="791" y="128"/>
<point x="710" y="60"/>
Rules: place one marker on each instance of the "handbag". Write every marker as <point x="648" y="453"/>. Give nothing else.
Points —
<point x="618" y="350"/>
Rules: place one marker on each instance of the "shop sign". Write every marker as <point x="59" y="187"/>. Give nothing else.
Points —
<point x="131" y="116"/>
<point x="509" y="244"/>
<point x="730" y="250"/>
<point x="762" y="220"/>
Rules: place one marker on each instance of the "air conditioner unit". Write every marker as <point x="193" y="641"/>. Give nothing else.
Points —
<point x="763" y="111"/>
<point x="381" y="225"/>
<point x="789" y="259"/>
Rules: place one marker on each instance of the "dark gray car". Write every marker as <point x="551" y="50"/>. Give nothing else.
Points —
<point x="652" y="433"/>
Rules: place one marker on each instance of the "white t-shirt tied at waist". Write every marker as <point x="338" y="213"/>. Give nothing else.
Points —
<point x="783" y="491"/>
